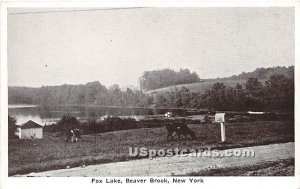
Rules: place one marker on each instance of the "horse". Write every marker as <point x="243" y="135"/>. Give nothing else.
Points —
<point x="73" y="135"/>
<point x="179" y="129"/>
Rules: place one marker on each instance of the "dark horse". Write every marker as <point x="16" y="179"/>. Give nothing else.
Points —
<point x="179" y="129"/>
<point x="73" y="135"/>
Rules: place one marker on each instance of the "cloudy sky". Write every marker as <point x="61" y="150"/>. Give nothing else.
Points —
<point x="53" y="47"/>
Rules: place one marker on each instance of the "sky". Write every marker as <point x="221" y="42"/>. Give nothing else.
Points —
<point x="71" y="46"/>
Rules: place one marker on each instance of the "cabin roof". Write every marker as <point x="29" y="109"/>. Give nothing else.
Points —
<point x="30" y="124"/>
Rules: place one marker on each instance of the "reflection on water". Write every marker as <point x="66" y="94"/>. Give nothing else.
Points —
<point x="21" y="106"/>
<point x="50" y="114"/>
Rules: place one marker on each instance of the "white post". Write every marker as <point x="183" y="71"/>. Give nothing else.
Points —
<point x="223" y="135"/>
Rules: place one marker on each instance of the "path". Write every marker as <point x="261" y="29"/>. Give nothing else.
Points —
<point x="167" y="166"/>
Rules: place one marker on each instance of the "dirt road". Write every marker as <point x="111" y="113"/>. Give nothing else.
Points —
<point x="168" y="166"/>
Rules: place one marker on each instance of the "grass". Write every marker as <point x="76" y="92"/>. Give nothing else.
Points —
<point x="203" y="86"/>
<point x="284" y="167"/>
<point x="52" y="152"/>
<point x="200" y="87"/>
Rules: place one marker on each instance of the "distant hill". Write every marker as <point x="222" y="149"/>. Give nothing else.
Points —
<point x="260" y="73"/>
<point x="263" y="73"/>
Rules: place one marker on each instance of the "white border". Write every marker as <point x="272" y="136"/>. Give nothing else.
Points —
<point x="3" y="102"/>
<point x="210" y="182"/>
<point x="149" y="3"/>
<point x="297" y="91"/>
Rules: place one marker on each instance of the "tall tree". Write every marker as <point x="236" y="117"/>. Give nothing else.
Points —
<point x="254" y="97"/>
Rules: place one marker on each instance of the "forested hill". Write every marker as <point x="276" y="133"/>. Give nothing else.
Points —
<point x="157" y="79"/>
<point x="162" y="80"/>
<point x="262" y="73"/>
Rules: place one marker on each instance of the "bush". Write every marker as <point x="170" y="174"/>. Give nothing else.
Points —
<point x="12" y="127"/>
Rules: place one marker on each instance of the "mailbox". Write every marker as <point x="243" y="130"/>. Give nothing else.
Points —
<point x="220" y="117"/>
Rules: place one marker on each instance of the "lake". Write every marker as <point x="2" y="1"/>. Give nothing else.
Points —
<point x="45" y="115"/>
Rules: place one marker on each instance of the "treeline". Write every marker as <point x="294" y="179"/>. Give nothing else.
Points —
<point x="164" y="78"/>
<point x="265" y="73"/>
<point x="275" y="94"/>
<point x="88" y="94"/>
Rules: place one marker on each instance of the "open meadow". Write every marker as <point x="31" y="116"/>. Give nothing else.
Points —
<point x="52" y="152"/>
<point x="200" y="87"/>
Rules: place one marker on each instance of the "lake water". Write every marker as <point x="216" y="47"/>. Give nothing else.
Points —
<point x="51" y="114"/>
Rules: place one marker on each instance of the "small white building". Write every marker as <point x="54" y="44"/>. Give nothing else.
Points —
<point x="30" y="130"/>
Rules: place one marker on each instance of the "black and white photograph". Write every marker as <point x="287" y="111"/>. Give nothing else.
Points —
<point x="150" y="92"/>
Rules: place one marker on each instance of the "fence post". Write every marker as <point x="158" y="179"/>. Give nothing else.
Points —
<point x="223" y="134"/>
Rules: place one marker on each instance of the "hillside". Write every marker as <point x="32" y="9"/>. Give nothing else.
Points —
<point x="200" y="87"/>
<point x="265" y="73"/>
<point x="260" y="73"/>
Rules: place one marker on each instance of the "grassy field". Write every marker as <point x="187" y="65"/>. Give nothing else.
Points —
<point x="200" y="87"/>
<point x="277" y="168"/>
<point x="52" y="152"/>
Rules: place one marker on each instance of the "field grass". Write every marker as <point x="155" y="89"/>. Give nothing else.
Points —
<point x="276" y="168"/>
<point x="200" y="87"/>
<point x="52" y="152"/>
<point x="203" y="86"/>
